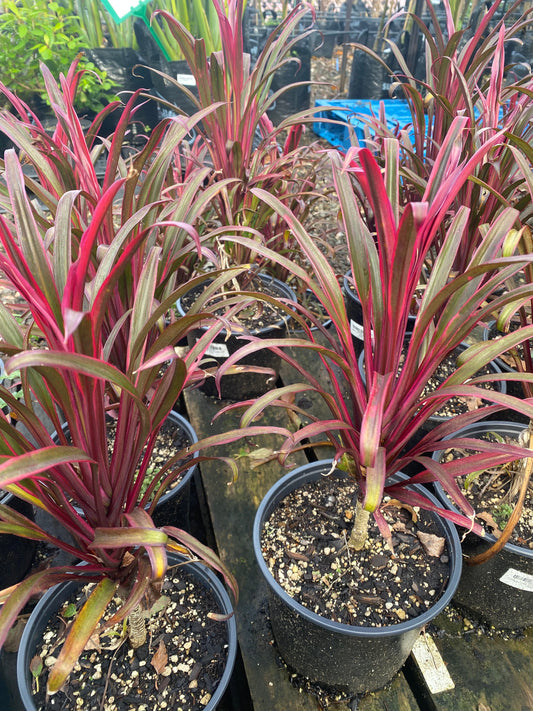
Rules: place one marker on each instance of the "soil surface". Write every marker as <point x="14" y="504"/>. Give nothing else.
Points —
<point x="179" y="667"/>
<point x="493" y="494"/>
<point x="304" y="545"/>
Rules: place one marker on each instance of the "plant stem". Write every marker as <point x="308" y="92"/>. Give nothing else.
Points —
<point x="137" y="627"/>
<point x="360" y="529"/>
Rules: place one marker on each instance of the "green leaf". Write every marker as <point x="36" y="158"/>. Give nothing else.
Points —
<point x="82" y="628"/>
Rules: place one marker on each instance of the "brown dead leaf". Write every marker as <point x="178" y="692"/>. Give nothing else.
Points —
<point x="473" y="403"/>
<point x="260" y="456"/>
<point x="433" y="545"/>
<point x="482" y="707"/>
<point x="489" y="520"/>
<point x="94" y="642"/>
<point x="400" y="505"/>
<point x="160" y="658"/>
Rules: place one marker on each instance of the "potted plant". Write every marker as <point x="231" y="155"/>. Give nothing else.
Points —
<point x="244" y="148"/>
<point x="466" y="75"/>
<point x="347" y="501"/>
<point x="34" y="31"/>
<point x="495" y="585"/>
<point x="80" y="377"/>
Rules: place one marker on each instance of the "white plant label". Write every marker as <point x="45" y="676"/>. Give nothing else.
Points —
<point x="431" y="665"/>
<point x="218" y="350"/>
<point x="356" y="330"/>
<point x="517" y="579"/>
<point x="186" y="79"/>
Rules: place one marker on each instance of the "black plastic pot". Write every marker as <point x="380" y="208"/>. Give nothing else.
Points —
<point x="241" y="386"/>
<point x="435" y="420"/>
<point x="179" y="71"/>
<point x="174" y="502"/>
<point x="500" y="591"/>
<point x="125" y="68"/>
<point x="357" y="659"/>
<point x="53" y="599"/>
<point x="292" y="326"/>
<point x="16" y="553"/>
<point x="355" y="315"/>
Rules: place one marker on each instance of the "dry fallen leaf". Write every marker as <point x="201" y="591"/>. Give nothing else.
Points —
<point x="400" y="505"/>
<point x="433" y="545"/>
<point x="482" y="707"/>
<point x="160" y="658"/>
<point x="14" y="635"/>
<point x="473" y="403"/>
<point x="94" y="642"/>
<point x="489" y="520"/>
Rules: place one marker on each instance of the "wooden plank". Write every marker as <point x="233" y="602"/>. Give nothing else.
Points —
<point x="232" y="508"/>
<point x="397" y="696"/>
<point x="491" y="672"/>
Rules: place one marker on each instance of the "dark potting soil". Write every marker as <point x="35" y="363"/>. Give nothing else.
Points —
<point x="253" y="316"/>
<point x="494" y="497"/>
<point x="178" y="668"/>
<point x="170" y="440"/>
<point x="304" y="546"/>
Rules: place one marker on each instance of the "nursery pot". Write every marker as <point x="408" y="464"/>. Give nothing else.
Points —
<point x="125" y="68"/>
<point x="241" y="386"/>
<point x="16" y="553"/>
<point x="355" y="316"/>
<point x="500" y="591"/>
<point x="434" y="420"/>
<point x="309" y="299"/>
<point x="354" y="658"/>
<point x="51" y="602"/>
<point x="179" y="71"/>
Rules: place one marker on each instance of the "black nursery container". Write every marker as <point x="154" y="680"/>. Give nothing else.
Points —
<point x="53" y="599"/>
<point x="355" y="315"/>
<point x="500" y="591"/>
<point x="126" y="69"/>
<point x="16" y="553"/>
<point x="357" y="659"/>
<point x="174" y="504"/>
<point x="241" y="386"/>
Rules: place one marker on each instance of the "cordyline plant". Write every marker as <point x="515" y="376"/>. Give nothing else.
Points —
<point x="238" y="138"/>
<point x="97" y="497"/>
<point x="372" y="422"/>
<point x="135" y="205"/>
<point x="466" y="76"/>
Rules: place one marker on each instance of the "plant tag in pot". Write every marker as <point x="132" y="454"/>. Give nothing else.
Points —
<point x="186" y="79"/>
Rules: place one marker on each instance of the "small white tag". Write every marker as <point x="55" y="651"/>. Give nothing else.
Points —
<point x="431" y="665"/>
<point x="186" y="79"/>
<point x="217" y="350"/>
<point x="517" y="579"/>
<point x="356" y="330"/>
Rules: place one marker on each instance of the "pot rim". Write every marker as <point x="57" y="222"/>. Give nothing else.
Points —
<point x="286" y="293"/>
<point x="61" y="592"/>
<point x="487" y="425"/>
<point x="306" y="473"/>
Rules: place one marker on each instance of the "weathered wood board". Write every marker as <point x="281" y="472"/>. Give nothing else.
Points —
<point x="490" y="672"/>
